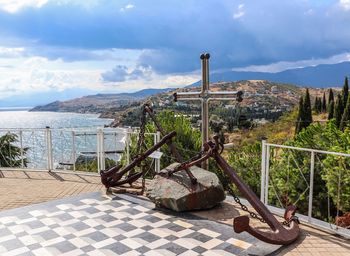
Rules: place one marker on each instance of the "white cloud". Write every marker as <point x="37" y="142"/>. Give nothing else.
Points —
<point x="345" y="4"/>
<point x="309" y="12"/>
<point x="155" y="81"/>
<point x="30" y="75"/>
<point x="13" y="6"/>
<point x="11" y="52"/>
<point x="37" y="74"/>
<point x="240" y="12"/>
<point x="284" y="65"/>
<point x="127" y="7"/>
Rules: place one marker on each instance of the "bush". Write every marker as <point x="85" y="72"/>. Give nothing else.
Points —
<point x="10" y="154"/>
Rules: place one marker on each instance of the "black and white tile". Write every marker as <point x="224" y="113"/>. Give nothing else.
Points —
<point x="94" y="225"/>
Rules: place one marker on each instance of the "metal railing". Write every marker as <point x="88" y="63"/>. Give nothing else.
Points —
<point x="313" y="180"/>
<point x="68" y="149"/>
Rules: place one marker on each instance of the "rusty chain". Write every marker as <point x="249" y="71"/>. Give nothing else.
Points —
<point x="141" y="138"/>
<point x="244" y="207"/>
<point x="255" y="215"/>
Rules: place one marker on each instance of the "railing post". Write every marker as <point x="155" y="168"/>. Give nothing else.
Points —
<point x="73" y="150"/>
<point x="267" y="170"/>
<point x="98" y="149"/>
<point x="103" y="163"/>
<point x="49" y="148"/>
<point x="263" y="170"/>
<point x="21" y="145"/>
<point x="157" y="160"/>
<point x="311" y="187"/>
<point x="127" y="142"/>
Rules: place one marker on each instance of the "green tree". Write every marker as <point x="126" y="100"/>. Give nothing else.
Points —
<point x="324" y="103"/>
<point x="330" y="96"/>
<point x="330" y="104"/>
<point x="345" y="91"/>
<point x="331" y="110"/>
<point x="288" y="169"/>
<point x="187" y="139"/>
<point x="316" y="105"/>
<point x="300" y="116"/>
<point x="346" y="116"/>
<point x="10" y="154"/>
<point x="338" y="110"/>
<point x="216" y="123"/>
<point x="319" y="105"/>
<point x="307" y="110"/>
<point x="246" y="161"/>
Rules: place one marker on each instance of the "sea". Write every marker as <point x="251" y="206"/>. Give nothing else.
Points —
<point x="73" y="136"/>
<point x="14" y="118"/>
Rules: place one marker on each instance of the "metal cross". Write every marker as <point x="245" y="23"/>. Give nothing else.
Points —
<point x="205" y="95"/>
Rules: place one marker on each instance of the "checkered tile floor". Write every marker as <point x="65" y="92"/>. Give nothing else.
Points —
<point x="94" y="225"/>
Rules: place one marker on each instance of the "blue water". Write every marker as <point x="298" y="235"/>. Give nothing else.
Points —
<point x="67" y="144"/>
<point x="25" y="119"/>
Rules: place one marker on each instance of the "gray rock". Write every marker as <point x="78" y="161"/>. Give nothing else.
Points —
<point x="177" y="192"/>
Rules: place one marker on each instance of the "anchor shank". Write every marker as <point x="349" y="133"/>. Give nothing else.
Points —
<point x="248" y="193"/>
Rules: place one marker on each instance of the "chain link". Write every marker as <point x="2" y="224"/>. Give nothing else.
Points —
<point x="141" y="138"/>
<point x="244" y="207"/>
<point x="253" y="214"/>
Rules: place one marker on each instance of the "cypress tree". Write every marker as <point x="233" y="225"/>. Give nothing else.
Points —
<point x="316" y="105"/>
<point x="330" y="96"/>
<point x="345" y="92"/>
<point x="300" y="118"/>
<point x="307" y="109"/>
<point x="338" y="110"/>
<point x="330" y="104"/>
<point x="319" y="105"/>
<point x="324" y="103"/>
<point x="330" y="110"/>
<point x="346" y="116"/>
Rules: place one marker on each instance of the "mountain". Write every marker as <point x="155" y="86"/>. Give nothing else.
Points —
<point x="41" y="98"/>
<point x="98" y="103"/>
<point x="261" y="99"/>
<point x="321" y="76"/>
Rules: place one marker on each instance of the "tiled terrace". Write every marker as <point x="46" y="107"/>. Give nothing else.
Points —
<point x="83" y="223"/>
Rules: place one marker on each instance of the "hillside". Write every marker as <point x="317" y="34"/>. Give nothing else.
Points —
<point x="262" y="100"/>
<point x="324" y="75"/>
<point x="99" y="103"/>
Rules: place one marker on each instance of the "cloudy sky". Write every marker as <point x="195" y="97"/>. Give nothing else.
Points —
<point x="117" y="45"/>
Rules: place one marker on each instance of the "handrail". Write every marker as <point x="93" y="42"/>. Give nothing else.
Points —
<point x="309" y="150"/>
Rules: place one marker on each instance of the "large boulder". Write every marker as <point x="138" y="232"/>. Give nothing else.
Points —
<point x="178" y="194"/>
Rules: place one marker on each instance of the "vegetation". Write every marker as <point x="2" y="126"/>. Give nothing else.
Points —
<point x="187" y="140"/>
<point x="304" y="118"/>
<point x="10" y="154"/>
<point x="290" y="169"/>
<point x="330" y="104"/>
<point x="338" y="110"/>
<point x="89" y="164"/>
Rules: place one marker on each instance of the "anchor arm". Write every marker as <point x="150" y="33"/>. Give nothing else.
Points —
<point x="112" y="176"/>
<point x="279" y="235"/>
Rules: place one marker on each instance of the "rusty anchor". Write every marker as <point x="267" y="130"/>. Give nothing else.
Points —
<point x="280" y="234"/>
<point x="113" y="176"/>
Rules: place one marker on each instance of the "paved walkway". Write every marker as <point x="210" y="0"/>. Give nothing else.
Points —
<point x="18" y="189"/>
